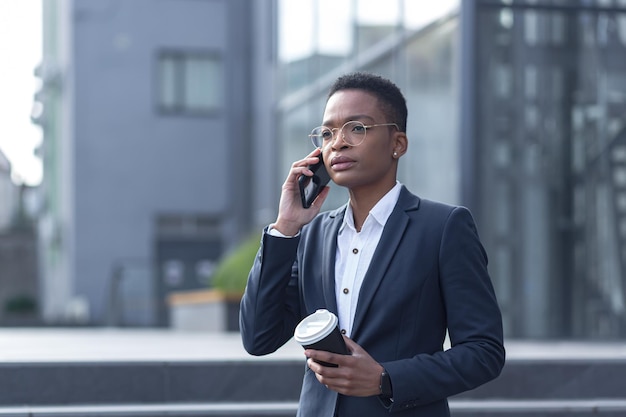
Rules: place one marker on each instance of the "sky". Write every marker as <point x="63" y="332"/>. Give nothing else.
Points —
<point x="299" y="37"/>
<point x="20" y="53"/>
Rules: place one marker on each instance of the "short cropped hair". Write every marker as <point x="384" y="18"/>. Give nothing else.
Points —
<point x="389" y="95"/>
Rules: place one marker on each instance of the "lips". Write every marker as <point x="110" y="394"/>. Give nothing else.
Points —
<point x="340" y="163"/>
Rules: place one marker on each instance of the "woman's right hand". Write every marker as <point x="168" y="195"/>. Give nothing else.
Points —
<point x="291" y="215"/>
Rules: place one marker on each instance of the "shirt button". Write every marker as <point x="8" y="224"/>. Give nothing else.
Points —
<point x="343" y="331"/>
<point x="345" y="290"/>
<point x="355" y="251"/>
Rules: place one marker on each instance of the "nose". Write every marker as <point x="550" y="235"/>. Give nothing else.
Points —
<point x="338" y="141"/>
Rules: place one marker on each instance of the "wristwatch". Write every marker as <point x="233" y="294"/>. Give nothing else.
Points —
<point x="385" y="385"/>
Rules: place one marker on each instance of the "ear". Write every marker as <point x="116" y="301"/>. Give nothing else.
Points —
<point x="400" y="144"/>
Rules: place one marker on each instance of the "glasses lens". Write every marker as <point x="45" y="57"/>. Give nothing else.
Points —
<point x="319" y="134"/>
<point x="354" y="133"/>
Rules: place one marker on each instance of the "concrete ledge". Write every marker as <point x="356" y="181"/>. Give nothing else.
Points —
<point x="192" y="409"/>
<point x="40" y="368"/>
<point x="35" y="384"/>
<point x="42" y="384"/>
<point x="539" y="408"/>
<point x="556" y="379"/>
<point x="584" y="408"/>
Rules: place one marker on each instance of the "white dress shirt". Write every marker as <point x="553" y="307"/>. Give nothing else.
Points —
<point x="355" y="251"/>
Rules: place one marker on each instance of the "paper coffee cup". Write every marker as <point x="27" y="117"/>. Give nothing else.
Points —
<point x="319" y="331"/>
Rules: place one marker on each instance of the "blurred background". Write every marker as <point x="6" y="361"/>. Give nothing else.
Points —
<point x="158" y="133"/>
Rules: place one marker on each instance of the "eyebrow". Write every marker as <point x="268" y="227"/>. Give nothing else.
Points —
<point x="356" y="117"/>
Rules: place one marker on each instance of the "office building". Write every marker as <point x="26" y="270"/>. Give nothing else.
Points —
<point x="170" y="125"/>
<point x="151" y="120"/>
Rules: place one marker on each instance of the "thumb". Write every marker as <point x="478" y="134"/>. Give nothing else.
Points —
<point x="352" y="345"/>
<point x="319" y="200"/>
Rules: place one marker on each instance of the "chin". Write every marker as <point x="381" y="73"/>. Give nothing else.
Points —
<point x="347" y="182"/>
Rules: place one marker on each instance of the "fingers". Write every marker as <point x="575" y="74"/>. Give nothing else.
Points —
<point x="301" y="167"/>
<point x="352" y="346"/>
<point x="315" y="152"/>
<point x="318" y="357"/>
<point x="310" y="159"/>
<point x="327" y="375"/>
<point x="315" y="356"/>
<point x="357" y="374"/>
<point x="291" y="215"/>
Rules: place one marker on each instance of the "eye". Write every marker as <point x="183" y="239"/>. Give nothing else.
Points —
<point x="326" y="134"/>
<point x="358" y="128"/>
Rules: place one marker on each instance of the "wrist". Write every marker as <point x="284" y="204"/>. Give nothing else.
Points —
<point x="287" y="229"/>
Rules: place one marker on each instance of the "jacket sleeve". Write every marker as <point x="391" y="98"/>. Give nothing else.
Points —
<point x="269" y="310"/>
<point x="474" y="324"/>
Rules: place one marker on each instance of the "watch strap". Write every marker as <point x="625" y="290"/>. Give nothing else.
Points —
<point x="386" y="390"/>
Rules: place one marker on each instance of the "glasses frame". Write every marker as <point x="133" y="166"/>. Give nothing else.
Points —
<point x="339" y="130"/>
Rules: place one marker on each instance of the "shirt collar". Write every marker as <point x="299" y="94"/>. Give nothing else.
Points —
<point x="380" y="212"/>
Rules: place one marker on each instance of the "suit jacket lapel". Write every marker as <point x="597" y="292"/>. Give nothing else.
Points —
<point x="387" y="247"/>
<point x="329" y="253"/>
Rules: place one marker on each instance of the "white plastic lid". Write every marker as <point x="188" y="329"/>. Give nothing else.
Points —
<point x="315" y="327"/>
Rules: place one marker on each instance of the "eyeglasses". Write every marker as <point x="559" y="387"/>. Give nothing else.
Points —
<point x="352" y="133"/>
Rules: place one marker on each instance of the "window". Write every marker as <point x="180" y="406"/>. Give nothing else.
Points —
<point x="190" y="82"/>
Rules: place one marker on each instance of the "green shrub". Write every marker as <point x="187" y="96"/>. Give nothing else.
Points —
<point x="231" y="275"/>
<point x="20" y="304"/>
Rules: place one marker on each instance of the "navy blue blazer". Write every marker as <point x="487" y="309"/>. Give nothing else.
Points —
<point x="428" y="275"/>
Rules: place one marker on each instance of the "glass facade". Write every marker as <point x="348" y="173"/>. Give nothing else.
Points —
<point x="517" y="110"/>
<point x="368" y="36"/>
<point x="550" y="163"/>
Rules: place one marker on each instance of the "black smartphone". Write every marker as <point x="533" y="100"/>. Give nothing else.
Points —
<point x="310" y="187"/>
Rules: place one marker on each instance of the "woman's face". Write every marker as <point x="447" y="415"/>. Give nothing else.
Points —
<point x="370" y="164"/>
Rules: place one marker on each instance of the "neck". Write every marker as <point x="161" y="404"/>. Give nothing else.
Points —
<point x="363" y="200"/>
